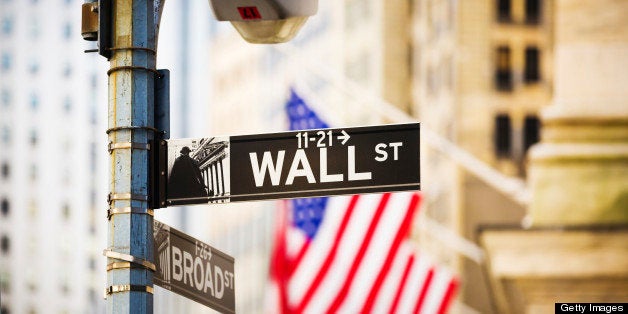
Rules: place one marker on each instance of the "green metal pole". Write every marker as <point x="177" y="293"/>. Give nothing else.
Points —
<point x="131" y="108"/>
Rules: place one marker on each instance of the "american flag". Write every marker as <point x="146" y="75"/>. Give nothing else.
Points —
<point x="350" y="254"/>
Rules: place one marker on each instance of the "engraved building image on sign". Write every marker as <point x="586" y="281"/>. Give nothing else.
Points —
<point x="161" y="235"/>
<point x="198" y="169"/>
<point x="293" y="164"/>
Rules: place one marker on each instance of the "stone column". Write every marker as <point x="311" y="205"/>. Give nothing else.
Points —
<point x="396" y="53"/>
<point x="579" y="171"/>
<point x="576" y="248"/>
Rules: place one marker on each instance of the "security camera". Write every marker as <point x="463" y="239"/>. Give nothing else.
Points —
<point x="265" y="21"/>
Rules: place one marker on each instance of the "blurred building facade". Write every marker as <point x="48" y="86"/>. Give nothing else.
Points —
<point x="577" y="246"/>
<point x="348" y="56"/>
<point x="250" y="87"/>
<point x="476" y="72"/>
<point x="482" y="72"/>
<point x="52" y="160"/>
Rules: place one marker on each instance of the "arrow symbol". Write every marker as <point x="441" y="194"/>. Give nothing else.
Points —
<point x="345" y="137"/>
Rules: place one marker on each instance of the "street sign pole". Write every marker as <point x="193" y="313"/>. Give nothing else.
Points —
<point x="130" y="120"/>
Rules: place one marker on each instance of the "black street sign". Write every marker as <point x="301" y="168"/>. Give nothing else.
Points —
<point x="193" y="269"/>
<point x="295" y="164"/>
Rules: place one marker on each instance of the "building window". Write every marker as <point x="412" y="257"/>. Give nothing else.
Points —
<point x="67" y="30"/>
<point x="356" y="11"/>
<point x="31" y="248"/>
<point x="6" y="135"/>
<point x="92" y="295"/>
<point x="533" y="11"/>
<point x="93" y="197"/>
<point x="503" y="131"/>
<point x="93" y="157"/>
<point x="92" y="263"/>
<point x="31" y="281"/>
<point x="5" y="170"/>
<point x="34" y="101"/>
<point x="66" y="176"/>
<point x="65" y="286"/>
<point x="67" y="70"/>
<point x="6" y="98"/>
<point x="5" y="244"/>
<point x="67" y="104"/>
<point x="503" y="72"/>
<point x="503" y="10"/>
<point x="93" y="81"/>
<point x="531" y="131"/>
<point x="358" y="68"/>
<point x="33" y="67"/>
<point x="34" y="138"/>
<point x="65" y="210"/>
<point x="32" y="209"/>
<point x="6" y="61"/>
<point x="92" y="228"/>
<point x="5" y="207"/>
<point x="7" y="25"/>
<point x="5" y="286"/>
<point x="34" y="28"/>
<point x="532" y="71"/>
<point x="33" y="172"/>
<point x="93" y="115"/>
<point x="432" y="80"/>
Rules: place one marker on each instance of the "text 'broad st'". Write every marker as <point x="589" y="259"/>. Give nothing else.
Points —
<point x="193" y="269"/>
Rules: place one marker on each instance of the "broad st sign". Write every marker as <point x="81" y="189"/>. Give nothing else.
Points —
<point x="283" y="165"/>
<point x="193" y="269"/>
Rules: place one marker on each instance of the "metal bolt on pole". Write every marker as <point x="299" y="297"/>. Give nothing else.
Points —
<point x="130" y="119"/>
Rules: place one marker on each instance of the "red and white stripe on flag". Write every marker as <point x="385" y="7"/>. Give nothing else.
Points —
<point x="358" y="262"/>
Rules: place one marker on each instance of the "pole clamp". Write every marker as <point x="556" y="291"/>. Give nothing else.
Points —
<point x="133" y="67"/>
<point x="134" y="127"/>
<point x="122" y="265"/>
<point x="129" y="258"/>
<point x="125" y="288"/>
<point x="127" y="145"/>
<point x="129" y="210"/>
<point x="133" y="48"/>
<point x="126" y="197"/>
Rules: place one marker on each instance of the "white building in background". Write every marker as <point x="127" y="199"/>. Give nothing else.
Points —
<point x="53" y="106"/>
<point x="54" y="162"/>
